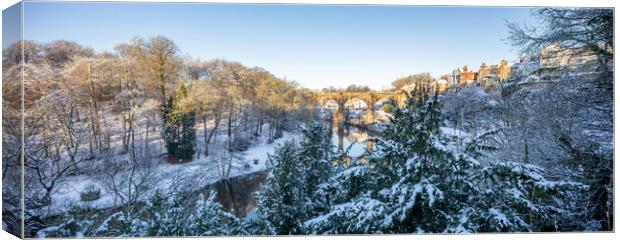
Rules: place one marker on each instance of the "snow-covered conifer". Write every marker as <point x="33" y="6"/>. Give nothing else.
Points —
<point x="210" y="219"/>
<point x="281" y="201"/>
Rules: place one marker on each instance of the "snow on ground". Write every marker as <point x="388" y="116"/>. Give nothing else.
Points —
<point x="260" y="152"/>
<point x="454" y="132"/>
<point x="200" y="170"/>
<point x="69" y="194"/>
<point x="197" y="173"/>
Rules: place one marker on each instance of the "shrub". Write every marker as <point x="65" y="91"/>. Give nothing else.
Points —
<point x="240" y="143"/>
<point x="90" y="193"/>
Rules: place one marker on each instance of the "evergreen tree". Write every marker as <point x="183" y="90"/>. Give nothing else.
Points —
<point x="316" y="152"/>
<point x="421" y="178"/>
<point x="122" y="224"/>
<point x="179" y="131"/>
<point x="257" y="224"/>
<point x="281" y="203"/>
<point x="210" y="219"/>
<point x="596" y="174"/>
<point x="77" y="222"/>
<point x="292" y="193"/>
<point x="349" y="207"/>
<point x="170" y="215"/>
<point x="166" y="215"/>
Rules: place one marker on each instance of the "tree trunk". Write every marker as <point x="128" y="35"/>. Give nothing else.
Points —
<point x="260" y="125"/>
<point x="90" y="143"/>
<point x="132" y="139"/>
<point x="146" y="141"/>
<point x="204" y="130"/>
<point x="94" y="111"/>
<point x="257" y="123"/>
<point x="270" y="133"/>
<point x="229" y="132"/>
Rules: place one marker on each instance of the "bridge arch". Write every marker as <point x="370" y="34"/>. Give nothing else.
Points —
<point x="390" y="100"/>
<point x="359" y="100"/>
<point x="369" y="98"/>
<point x="366" y="108"/>
<point x="382" y="111"/>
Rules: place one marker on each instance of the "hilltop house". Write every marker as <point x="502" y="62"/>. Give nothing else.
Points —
<point x="486" y="76"/>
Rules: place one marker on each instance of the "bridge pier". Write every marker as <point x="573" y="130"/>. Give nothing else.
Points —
<point x="339" y="115"/>
<point x="370" y="98"/>
<point x="370" y="115"/>
<point x="369" y="145"/>
<point x="340" y="133"/>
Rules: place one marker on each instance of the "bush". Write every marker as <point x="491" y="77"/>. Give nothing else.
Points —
<point x="240" y="143"/>
<point x="90" y="193"/>
<point x="255" y="160"/>
<point x="77" y="222"/>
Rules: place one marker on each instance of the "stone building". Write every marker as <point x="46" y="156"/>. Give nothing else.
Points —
<point x="503" y="70"/>
<point x="454" y="77"/>
<point x="467" y="77"/>
<point x="486" y="76"/>
<point x="442" y="85"/>
<point x="483" y="72"/>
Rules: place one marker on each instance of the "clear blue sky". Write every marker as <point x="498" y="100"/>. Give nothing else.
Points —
<point x="315" y="45"/>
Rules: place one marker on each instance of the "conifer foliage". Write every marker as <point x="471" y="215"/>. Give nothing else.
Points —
<point x="289" y="197"/>
<point x="179" y="131"/>
<point x="420" y="178"/>
<point x="164" y="214"/>
<point x="425" y="178"/>
<point x="281" y="202"/>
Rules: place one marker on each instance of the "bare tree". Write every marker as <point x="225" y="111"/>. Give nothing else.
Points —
<point x="576" y="112"/>
<point x="423" y="79"/>
<point x="579" y="30"/>
<point x="128" y="181"/>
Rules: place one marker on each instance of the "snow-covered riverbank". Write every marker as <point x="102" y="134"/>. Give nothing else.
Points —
<point x="195" y="174"/>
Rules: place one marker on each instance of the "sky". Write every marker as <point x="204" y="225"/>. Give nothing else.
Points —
<point x="315" y="45"/>
<point x="11" y="25"/>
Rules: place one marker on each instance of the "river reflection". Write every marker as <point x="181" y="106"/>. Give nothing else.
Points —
<point x="236" y="193"/>
<point x="355" y="139"/>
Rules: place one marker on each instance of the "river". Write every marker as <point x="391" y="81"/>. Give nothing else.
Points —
<point x="353" y="138"/>
<point x="237" y="193"/>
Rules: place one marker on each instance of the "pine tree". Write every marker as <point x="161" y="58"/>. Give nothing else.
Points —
<point x="121" y="224"/>
<point x="179" y="131"/>
<point x="77" y="222"/>
<point x="166" y="215"/>
<point x="316" y="151"/>
<point x="415" y="160"/>
<point x="257" y="224"/>
<point x="597" y="176"/>
<point x="281" y="203"/>
<point x="349" y="207"/>
<point x="422" y="179"/>
<point x="210" y="219"/>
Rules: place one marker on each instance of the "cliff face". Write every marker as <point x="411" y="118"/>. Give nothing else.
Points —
<point x="555" y="56"/>
<point x="551" y="65"/>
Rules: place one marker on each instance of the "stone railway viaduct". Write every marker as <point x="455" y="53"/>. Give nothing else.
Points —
<point x="370" y="98"/>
